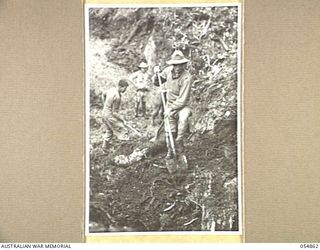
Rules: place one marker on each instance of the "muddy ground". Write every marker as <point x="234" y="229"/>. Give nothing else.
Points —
<point x="154" y="194"/>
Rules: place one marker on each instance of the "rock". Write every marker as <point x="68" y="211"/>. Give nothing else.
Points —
<point x="95" y="227"/>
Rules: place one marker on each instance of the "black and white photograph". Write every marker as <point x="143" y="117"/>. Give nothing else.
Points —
<point x="163" y="118"/>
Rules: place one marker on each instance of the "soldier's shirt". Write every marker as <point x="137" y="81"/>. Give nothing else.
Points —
<point x="140" y="79"/>
<point x="178" y="90"/>
<point x="112" y="101"/>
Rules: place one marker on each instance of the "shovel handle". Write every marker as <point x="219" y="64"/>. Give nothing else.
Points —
<point x="169" y="136"/>
<point x="134" y="130"/>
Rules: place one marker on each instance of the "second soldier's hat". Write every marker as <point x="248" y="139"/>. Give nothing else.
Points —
<point x="143" y="65"/>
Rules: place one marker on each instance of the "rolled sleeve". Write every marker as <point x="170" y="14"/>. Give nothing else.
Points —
<point x="184" y="93"/>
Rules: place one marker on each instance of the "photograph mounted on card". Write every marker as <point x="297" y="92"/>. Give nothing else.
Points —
<point x="163" y="119"/>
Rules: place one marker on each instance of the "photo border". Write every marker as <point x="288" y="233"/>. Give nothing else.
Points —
<point x="180" y="236"/>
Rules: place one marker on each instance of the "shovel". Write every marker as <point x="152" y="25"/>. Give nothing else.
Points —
<point x="169" y="137"/>
<point x="178" y="161"/>
<point x="133" y="129"/>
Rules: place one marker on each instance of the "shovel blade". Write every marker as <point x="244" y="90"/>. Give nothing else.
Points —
<point x="179" y="162"/>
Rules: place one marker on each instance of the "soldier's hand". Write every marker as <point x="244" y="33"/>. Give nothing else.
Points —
<point x="168" y="112"/>
<point x="156" y="69"/>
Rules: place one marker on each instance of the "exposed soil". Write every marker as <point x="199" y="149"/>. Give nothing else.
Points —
<point x="147" y="196"/>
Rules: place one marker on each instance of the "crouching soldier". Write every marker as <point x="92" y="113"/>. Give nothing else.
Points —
<point x="178" y="85"/>
<point x="140" y="80"/>
<point x="111" y="117"/>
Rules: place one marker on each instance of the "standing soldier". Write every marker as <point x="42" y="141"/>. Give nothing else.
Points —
<point x="111" y="117"/>
<point x="178" y="84"/>
<point x="140" y="80"/>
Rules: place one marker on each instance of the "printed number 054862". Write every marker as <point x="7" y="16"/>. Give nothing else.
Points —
<point x="313" y="246"/>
